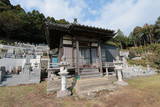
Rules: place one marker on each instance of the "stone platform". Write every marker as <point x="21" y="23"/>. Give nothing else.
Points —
<point x="83" y="87"/>
<point x="87" y="87"/>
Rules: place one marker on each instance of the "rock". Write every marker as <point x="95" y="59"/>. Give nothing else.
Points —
<point x="63" y="93"/>
<point x="121" y="83"/>
<point x="137" y="58"/>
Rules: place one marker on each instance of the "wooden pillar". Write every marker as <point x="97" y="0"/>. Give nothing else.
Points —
<point x="47" y="34"/>
<point x="100" y="57"/>
<point x="90" y="49"/>
<point x="77" y="57"/>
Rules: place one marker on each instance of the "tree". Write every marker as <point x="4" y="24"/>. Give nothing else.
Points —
<point x="62" y="21"/>
<point x="7" y="2"/>
<point x="137" y="35"/>
<point x="121" y="40"/>
<point x="157" y="29"/>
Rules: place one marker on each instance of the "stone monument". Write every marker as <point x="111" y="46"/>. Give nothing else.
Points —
<point x="2" y="73"/>
<point x="119" y="71"/>
<point x="63" y="73"/>
<point x="26" y="69"/>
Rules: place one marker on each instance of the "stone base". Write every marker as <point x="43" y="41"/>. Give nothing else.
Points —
<point x="106" y="76"/>
<point x="122" y="83"/>
<point x="63" y="93"/>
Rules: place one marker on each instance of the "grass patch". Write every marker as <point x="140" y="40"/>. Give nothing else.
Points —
<point x="147" y="84"/>
<point x="11" y="95"/>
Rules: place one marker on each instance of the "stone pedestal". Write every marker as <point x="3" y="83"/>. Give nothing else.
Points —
<point x="120" y="78"/>
<point x="63" y="93"/>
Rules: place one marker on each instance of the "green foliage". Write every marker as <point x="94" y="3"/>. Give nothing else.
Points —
<point x="7" y="2"/>
<point x="62" y="21"/>
<point x="150" y="55"/>
<point x="142" y="62"/>
<point x="140" y="36"/>
<point x="111" y="43"/>
<point x="17" y="25"/>
<point x="157" y="29"/>
<point x="3" y="42"/>
<point x="121" y="40"/>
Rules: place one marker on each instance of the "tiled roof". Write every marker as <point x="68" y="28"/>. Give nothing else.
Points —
<point x="72" y="26"/>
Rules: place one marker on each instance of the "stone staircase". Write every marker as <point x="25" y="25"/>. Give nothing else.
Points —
<point x="89" y="73"/>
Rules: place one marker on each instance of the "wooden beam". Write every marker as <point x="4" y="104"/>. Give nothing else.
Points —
<point x="61" y="50"/>
<point x="77" y="57"/>
<point x="100" y="57"/>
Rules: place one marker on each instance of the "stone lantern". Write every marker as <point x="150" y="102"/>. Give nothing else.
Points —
<point x="63" y="73"/>
<point x="119" y="71"/>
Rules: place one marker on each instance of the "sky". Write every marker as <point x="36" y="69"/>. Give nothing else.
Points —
<point x="108" y="14"/>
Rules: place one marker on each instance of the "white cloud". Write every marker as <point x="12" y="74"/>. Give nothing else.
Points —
<point x="57" y="8"/>
<point x="123" y="14"/>
<point x="126" y="14"/>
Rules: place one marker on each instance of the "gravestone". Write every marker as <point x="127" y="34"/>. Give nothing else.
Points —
<point x="2" y="73"/>
<point x="26" y="69"/>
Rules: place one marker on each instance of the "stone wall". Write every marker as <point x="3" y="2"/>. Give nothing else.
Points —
<point x="130" y="71"/>
<point x="135" y="71"/>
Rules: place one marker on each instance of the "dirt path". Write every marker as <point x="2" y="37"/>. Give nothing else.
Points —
<point x="125" y="97"/>
<point x="129" y="97"/>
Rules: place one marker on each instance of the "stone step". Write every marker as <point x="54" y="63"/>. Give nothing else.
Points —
<point x="90" y="69"/>
<point x="91" y="76"/>
<point x="90" y="73"/>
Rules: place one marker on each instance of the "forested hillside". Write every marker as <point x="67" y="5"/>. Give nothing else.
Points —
<point x="21" y="26"/>
<point x="18" y="25"/>
<point x="140" y="36"/>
